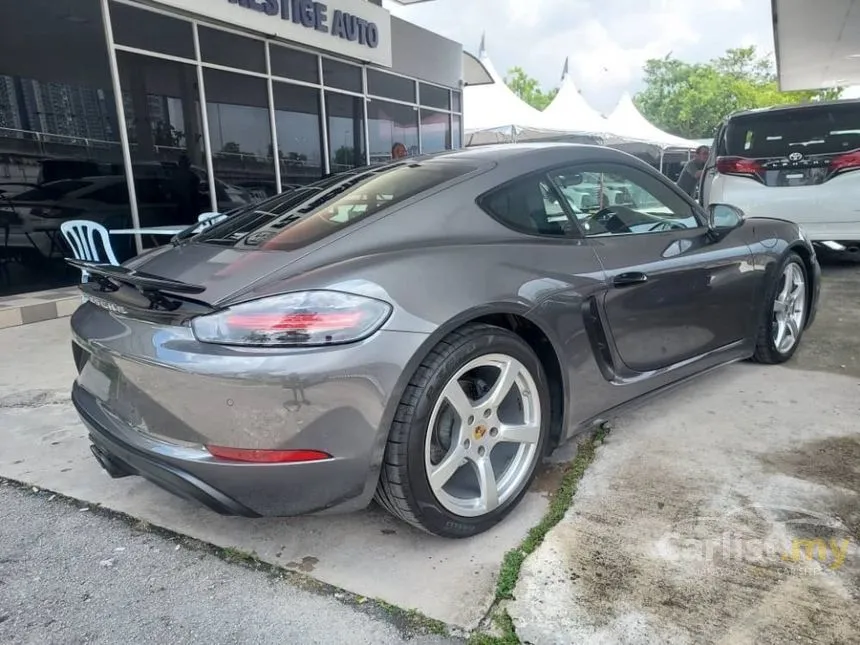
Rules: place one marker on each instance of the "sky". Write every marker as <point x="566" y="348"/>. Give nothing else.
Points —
<point x="607" y="41"/>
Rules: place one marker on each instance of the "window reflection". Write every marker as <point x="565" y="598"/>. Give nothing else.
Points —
<point x="345" y="131"/>
<point x="151" y="31"/>
<point x="57" y="124"/>
<point x="237" y="107"/>
<point x="434" y="96"/>
<point x="162" y="114"/>
<point x="457" y="132"/>
<point x="435" y="131"/>
<point x="393" y="130"/>
<point x="297" y="120"/>
<point x="341" y="75"/>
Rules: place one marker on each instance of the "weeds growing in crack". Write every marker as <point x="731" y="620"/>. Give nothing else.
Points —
<point x="513" y="561"/>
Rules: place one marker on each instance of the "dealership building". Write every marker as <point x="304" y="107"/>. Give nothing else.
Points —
<point x="136" y="113"/>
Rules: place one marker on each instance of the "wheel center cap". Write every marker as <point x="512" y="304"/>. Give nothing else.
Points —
<point x="479" y="432"/>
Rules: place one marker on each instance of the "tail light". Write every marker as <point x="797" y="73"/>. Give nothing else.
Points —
<point x="300" y="319"/>
<point x="848" y="161"/>
<point x="249" y="455"/>
<point x="739" y="166"/>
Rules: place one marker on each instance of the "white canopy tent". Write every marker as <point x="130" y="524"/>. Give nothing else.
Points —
<point x="570" y="111"/>
<point x="492" y="113"/>
<point x="626" y="122"/>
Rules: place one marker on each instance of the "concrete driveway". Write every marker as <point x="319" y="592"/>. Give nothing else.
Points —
<point x="726" y="512"/>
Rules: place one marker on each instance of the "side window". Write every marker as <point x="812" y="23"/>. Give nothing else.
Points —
<point x="611" y="199"/>
<point x="528" y="205"/>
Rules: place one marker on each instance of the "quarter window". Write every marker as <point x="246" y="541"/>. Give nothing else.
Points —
<point x="609" y="199"/>
<point x="529" y="205"/>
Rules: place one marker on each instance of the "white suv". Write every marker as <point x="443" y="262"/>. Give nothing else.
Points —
<point x="800" y="163"/>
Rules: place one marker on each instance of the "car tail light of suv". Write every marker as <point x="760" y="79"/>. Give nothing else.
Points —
<point x="739" y="166"/>
<point x="845" y="162"/>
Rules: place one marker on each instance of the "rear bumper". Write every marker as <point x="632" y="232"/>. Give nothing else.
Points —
<point x="154" y="397"/>
<point x="228" y="488"/>
<point x="121" y="459"/>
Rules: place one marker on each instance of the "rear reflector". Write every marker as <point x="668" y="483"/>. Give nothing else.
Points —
<point x="267" y="456"/>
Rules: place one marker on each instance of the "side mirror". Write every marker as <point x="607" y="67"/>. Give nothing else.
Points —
<point x="724" y="217"/>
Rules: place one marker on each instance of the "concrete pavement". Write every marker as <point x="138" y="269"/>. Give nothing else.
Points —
<point x="726" y="512"/>
<point x="68" y="576"/>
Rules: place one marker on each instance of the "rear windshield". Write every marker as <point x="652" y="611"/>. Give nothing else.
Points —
<point x="826" y="129"/>
<point x="303" y="216"/>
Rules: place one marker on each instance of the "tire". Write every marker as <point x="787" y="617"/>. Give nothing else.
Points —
<point x="405" y="488"/>
<point x="766" y="350"/>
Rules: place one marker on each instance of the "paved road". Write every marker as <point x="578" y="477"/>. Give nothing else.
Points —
<point x="68" y="576"/>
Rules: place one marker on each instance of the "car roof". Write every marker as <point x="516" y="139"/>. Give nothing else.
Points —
<point x="527" y="156"/>
<point x="512" y="150"/>
<point x="790" y="107"/>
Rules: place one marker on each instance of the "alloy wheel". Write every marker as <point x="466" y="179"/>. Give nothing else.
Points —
<point x="789" y="308"/>
<point x="483" y="435"/>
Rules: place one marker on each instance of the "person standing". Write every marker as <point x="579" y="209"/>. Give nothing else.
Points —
<point x="688" y="181"/>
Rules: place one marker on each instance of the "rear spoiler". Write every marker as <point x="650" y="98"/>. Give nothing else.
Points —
<point x="107" y="275"/>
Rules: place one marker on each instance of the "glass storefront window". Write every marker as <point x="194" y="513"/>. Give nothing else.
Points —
<point x="151" y="31"/>
<point x="390" y="86"/>
<point x="291" y="63"/>
<point x="457" y="101"/>
<point x="342" y="76"/>
<point x="58" y="123"/>
<point x="60" y="141"/>
<point x="297" y="122"/>
<point x="231" y="50"/>
<point x="393" y="130"/>
<point x="345" y="131"/>
<point x="457" y="132"/>
<point x="435" y="131"/>
<point x="237" y="108"/>
<point x="162" y="113"/>
<point x="434" y="96"/>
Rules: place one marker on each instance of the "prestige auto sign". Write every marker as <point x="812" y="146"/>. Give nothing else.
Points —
<point x="352" y="28"/>
<point x="315" y="15"/>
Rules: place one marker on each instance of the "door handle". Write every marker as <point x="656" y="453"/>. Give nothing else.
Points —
<point x="629" y="279"/>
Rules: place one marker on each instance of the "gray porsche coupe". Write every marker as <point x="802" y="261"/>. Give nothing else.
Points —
<point x="423" y="332"/>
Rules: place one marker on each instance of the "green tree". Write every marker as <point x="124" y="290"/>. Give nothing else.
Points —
<point x="691" y="99"/>
<point x="528" y="88"/>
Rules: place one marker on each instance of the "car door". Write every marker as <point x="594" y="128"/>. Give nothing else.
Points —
<point x="674" y="290"/>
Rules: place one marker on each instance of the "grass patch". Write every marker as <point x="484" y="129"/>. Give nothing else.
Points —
<point x="507" y="635"/>
<point x="412" y="619"/>
<point x="558" y="505"/>
<point x="235" y="555"/>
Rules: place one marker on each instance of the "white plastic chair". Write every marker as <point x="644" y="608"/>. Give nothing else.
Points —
<point x="80" y="234"/>
<point x="208" y="219"/>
